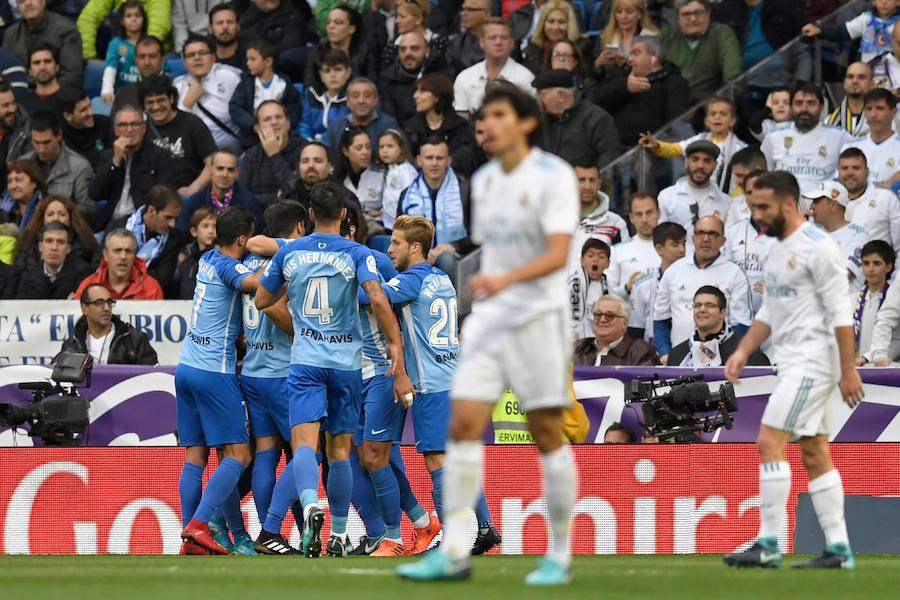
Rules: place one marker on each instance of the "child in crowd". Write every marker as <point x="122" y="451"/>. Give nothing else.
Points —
<point x="720" y="119"/>
<point x="203" y="232"/>
<point x="877" y="263"/>
<point x="778" y="110"/>
<point x="380" y="186"/>
<point x="587" y="285"/>
<point x="121" y="68"/>
<point x="322" y="105"/>
<point x="262" y="84"/>
<point x="873" y="28"/>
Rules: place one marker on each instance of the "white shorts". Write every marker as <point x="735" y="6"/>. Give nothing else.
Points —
<point x="534" y="359"/>
<point x="800" y="404"/>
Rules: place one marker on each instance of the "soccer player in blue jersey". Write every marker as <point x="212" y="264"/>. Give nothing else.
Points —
<point x="321" y="274"/>
<point x="210" y="406"/>
<point x="269" y="336"/>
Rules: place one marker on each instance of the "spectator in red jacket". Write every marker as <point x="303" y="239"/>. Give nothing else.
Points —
<point x="122" y="272"/>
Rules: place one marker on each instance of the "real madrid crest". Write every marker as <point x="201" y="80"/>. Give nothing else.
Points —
<point x="523" y="199"/>
<point x="788" y="142"/>
<point x="823" y="151"/>
<point x="890" y="162"/>
<point x="872" y="203"/>
<point x="835" y="194"/>
<point x="792" y="262"/>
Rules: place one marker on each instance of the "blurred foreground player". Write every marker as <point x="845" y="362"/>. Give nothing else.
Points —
<point x="525" y="210"/>
<point x="210" y="406"/>
<point x="806" y="310"/>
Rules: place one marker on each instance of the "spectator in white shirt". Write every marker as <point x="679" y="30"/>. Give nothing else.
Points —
<point x="206" y="90"/>
<point x="596" y="220"/>
<point x="877" y="263"/>
<point x="875" y="209"/>
<point x="748" y="247"/>
<point x="636" y="257"/>
<point x="497" y="43"/>
<point x="744" y="161"/>
<point x="828" y="202"/>
<point x="882" y="145"/>
<point x="669" y="245"/>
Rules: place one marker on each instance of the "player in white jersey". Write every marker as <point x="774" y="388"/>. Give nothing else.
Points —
<point x="882" y="145"/>
<point x="525" y="209"/>
<point x="807" y="312"/>
<point x="669" y="244"/>
<point x="805" y="148"/>
<point x="636" y="257"/>
<point x="827" y="203"/>
<point x="875" y="209"/>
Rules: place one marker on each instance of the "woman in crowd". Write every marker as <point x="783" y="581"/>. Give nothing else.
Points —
<point x="354" y="159"/>
<point x="435" y="115"/>
<point x="566" y="55"/>
<point x="412" y="15"/>
<point x="558" y="22"/>
<point x="343" y="32"/>
<point x="629" y="20"/>
<point x="62" y="210"/>
<point x="382" y="183"/>
<point x="24" y="186"/>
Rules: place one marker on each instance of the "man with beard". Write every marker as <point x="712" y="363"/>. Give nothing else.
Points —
<point x="83" y="131"/>
<point x="15" y="129"/>
<point x="695" y="196"/>
<point x="223" y="191"/>
<point x="805" y="148"/>
<point x="315" y="166"/>
<point x="149" y="58"/>
<point x="882" y="145"/>
<point x="874" y="209"/>
<point x="398" y="81"/>
<point x="43" y="68"/>
<point x="224" y="30"/>
<point x="596" y="220"/>
<point x="828" y="204"/>
<point x="850" y="115"/>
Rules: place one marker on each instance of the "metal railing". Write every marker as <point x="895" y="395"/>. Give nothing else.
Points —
<point x="637" y="169"/>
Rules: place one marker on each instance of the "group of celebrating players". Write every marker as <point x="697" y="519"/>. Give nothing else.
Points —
<point x="341" y="340"/>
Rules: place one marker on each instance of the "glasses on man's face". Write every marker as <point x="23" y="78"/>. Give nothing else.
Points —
<point x="692" y="14"/>
<point x="99" y="302"/>
<point x="197" y="54"/>
<point x="130" y="125"/>
<point x="607" y="316"/>
<point x="707" y="234"/>
<point x="706" y="305"/>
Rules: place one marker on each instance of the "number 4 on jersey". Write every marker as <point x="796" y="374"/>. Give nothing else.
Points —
<point x="315" y="302"/>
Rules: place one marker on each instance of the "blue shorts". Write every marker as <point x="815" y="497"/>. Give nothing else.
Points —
<point x="210" y="408"/>
<point x="382" y="419"/>
<point x="267" y="403"/>
<point x="328" y="395"/>
<point x="431" y="421"/>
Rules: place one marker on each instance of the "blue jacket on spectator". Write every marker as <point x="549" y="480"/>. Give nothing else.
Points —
<point x="375" y="128"/>
<point x="319" y="112"/>
<point x="241" y="197"/>
<point x="244" y="115"/>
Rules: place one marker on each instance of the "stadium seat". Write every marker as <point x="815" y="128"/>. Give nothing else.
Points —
<point x="300" y="89"/>
<point x="176" y="67"/>
<point x="100" y="107"/>
<point x="93" y="78"/>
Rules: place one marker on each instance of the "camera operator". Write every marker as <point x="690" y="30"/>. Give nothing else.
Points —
<point x="612" y="346"/>
<point x="106" y="337"/>
<point x="617" y="433"/>
<point x="713" y="340"/>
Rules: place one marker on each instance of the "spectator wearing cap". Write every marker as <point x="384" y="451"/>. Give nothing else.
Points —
<point x="611" y="345"/>
<point x="828" y="204"/>
<point x="695" y="195"/>
<point x="41" y="26"/>
<point x="497" y="43"/>
<point x="577" y="131"/>
<point x="55" y="272"/>
<point x="708" y="54"/>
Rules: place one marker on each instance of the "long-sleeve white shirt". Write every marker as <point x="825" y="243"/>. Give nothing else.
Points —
<point x="878" y="212"/>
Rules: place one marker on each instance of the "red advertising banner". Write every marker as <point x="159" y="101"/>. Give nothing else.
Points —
<point x="632" y="499"/>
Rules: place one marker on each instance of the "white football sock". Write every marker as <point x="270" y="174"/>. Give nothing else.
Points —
<point x="560" y="486"/>
<point x="462" y="483"/>
<point x="774" y="487"/>
<point x="827" y="493"/>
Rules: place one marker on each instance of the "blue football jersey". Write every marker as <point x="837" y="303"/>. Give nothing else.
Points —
<point x="268" y="347"/>
<point x="323" y="273"/>
<point x="215" y="314"/>
<point x="375" y="360"/>
<point x="429" y="319"/>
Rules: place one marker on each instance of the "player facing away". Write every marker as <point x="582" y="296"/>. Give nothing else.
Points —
<point x="269" y="335"/>
<point x="209" y="403"/>
<point x="806" y="310"/>
<point x="525" y="205"/>
<point x="321" y="274"/>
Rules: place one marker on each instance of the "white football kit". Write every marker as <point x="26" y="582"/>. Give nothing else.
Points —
<point x="851" y="238"/>
<point x="637" y="255"/>
<point x="642" y="299"/>
<point x="520" y="337"/>
<point x="806" y="298"/>
<point x="811" y="157"/>
<point x="883" y="158"/>
<point x="878" y="212"/>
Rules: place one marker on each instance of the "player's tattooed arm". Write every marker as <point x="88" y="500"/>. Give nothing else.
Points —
<point x="281" y="316"/>
<point x="262" y="245"/>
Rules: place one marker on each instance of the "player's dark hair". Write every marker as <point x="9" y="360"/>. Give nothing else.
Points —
<point x="68" y="96"/>
<point x="645" y="195"/>
<point x="752" y="175"/>
<point x="327" y="199"/>
<point x="881" y="248"/>
<point x="783" y="185"/>
<point x="668" y="231"/>
<point x="354" y="222"/>
<point x="808" y="87"/>
<point x="282" y="218"/>
<point x="522" y="104"/>
<point x="220" y="7"/>
<point x="232" y="223"/>
<point x="854" y="153"/>
<point x="595" y="244"/>
<point x="55" y="226"/>
<point x="160" y="196"/>
<point x="628" y="431"/>
<point x="751" y="156"/>
<point x="713" y="291"/>
<point x="876" y="94"/>
<point x="156" y="85"/>
<point x="46" y="121"/>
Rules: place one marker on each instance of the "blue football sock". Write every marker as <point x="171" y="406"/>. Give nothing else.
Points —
<point x="283" y="495"/>
<point x="437" y="492"/>
<point x="408" y="501"/>
<point x="387" y="491"/>
<point x="297" y="511"/>
<point x="264" y="479"/>
<point x="306" y="475"/>
<point x="190" y="489"/>
<point x="482" y="512"/>
<point x="231" y="510"/>
<point x="363" y="498"/>
<point x="245" y="483"/>
<point x="222" y="483"/>
<point x="340" y="486"/>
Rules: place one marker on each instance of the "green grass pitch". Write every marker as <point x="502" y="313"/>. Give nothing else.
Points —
<point x="251" y="578"/>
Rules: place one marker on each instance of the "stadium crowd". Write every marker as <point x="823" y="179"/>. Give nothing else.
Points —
<point x="115" y="169"/>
